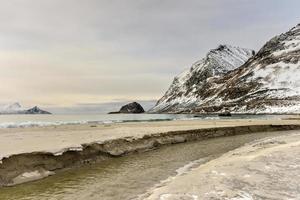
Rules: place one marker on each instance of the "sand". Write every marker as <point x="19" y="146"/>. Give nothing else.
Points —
<point x="28" y="154"/>
<point x="264" y="169"/>
<point x="58" y="139"/>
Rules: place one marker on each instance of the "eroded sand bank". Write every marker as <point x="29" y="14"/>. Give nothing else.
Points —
<point x="264" y="169"/>
<point x="31" y="153"/>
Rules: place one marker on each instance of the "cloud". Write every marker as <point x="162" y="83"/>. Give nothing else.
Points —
<point x="97" y="108"/>
<point x="67" y="52"/>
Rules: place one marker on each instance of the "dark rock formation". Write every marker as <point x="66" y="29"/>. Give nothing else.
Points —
<point x="225" y="114"/>
<point x="133" y="108"/>
<point x="36" y="110"/>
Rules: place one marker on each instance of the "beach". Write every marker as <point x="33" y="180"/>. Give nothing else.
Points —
<point x="32" y="153"/>
<point x="264" y="169"/>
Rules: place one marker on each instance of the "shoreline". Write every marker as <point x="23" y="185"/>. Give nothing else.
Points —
<point x="263" y="169"/>
<point x="32" y="123"/>
<point x="49" y="149"/>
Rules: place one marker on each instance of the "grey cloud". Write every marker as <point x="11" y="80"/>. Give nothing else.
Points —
<point x="97" y="108"/>
<point x="101" y="48"/>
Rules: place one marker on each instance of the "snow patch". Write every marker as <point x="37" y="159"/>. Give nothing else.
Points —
<point x="242" y="196"/>
<point x="180" y="171"/>
<point x="178" y="197"/>
<point x="31" y="176"/>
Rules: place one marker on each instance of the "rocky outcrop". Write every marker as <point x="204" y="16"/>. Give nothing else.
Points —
<point x="36" y="110"/>
<point x="187" y="88"/>
<point x="133" y="108"/>
<point x="266" y="83"/>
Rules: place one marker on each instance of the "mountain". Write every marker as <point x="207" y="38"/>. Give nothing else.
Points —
<point x="16" y="108"/>
<point x="269" y="82"/>
<point x="186" y="90"/>
<point x="36" y="110"/>
<point x="11" y="108"/>
<point x="133" y="108"/>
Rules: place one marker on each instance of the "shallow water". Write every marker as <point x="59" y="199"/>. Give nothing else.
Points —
<point x="12" y="121"/>
<point x="125" y="177"/>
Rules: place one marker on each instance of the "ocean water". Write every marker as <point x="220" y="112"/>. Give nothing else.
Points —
<point x="14" y="121"/>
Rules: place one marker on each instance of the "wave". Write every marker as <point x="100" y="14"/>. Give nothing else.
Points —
<point x="27" y="124"/>
<point x="36" y="124"/>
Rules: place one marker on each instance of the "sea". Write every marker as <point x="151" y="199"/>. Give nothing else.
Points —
<point x="17" y="121"/>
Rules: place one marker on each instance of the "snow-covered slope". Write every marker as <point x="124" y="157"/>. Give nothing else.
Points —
<point x="185" y="91"/>
<point x="11" y="108"/>
<point x="269" y="82"/>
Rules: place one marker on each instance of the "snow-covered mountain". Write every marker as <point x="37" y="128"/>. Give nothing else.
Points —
<point x="11" y="108"/>
<point x="16" y="108"/>
<point x="186" y="89"/>
<point x="269" y="82"/>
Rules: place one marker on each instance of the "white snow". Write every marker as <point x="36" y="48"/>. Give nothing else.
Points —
<point x="281" y="109"/>
<point x="11" y="108"/>
<point x="178" y="196"/>
<point x="290" y="46"/>
<point x="243" y="196"/>
<point x="275" y="183"/>
<point x="280" y="75"/>
<point x="292" y="43"/>
<point x="31" y="176"/>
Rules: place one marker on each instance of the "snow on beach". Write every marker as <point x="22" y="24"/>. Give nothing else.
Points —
<point x="264" y="169"/>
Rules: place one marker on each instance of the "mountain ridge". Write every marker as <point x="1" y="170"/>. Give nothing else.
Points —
<point x="267" y="83"/>
<point x="184" y="88"/>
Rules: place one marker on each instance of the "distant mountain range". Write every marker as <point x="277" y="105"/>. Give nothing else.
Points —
<point x="237" y="80"/>
<point x="16" y="108"/>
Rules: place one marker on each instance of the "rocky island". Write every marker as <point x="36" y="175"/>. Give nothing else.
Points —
<point x="36" y="110"/>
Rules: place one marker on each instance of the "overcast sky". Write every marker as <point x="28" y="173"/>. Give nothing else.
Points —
<point x="79" y="52"/>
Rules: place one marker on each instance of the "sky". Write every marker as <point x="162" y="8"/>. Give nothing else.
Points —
<point x="71" y="53"/>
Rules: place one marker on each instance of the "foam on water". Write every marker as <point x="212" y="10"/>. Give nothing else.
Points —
<point x="22" y="121"/>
